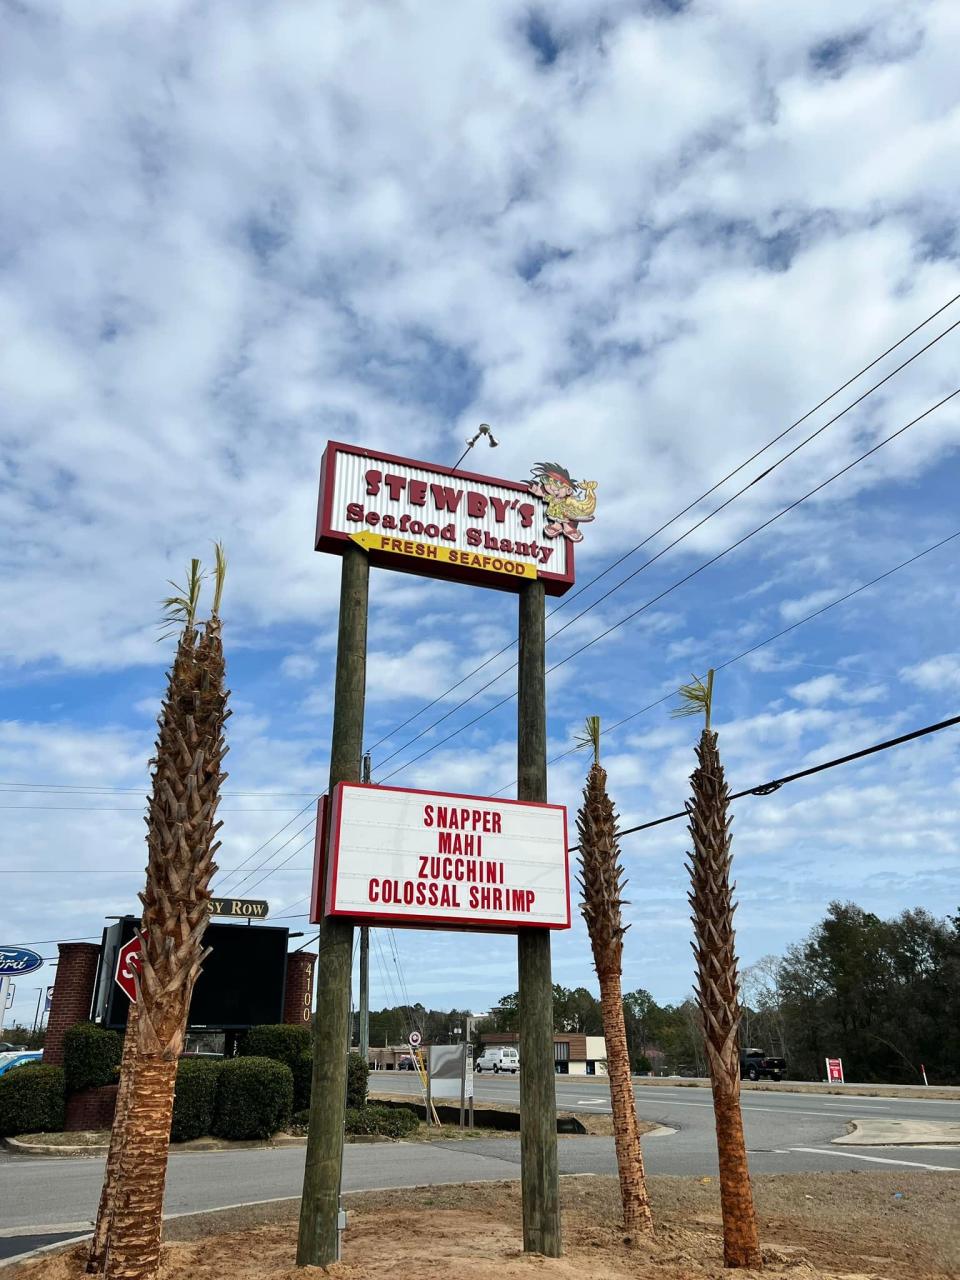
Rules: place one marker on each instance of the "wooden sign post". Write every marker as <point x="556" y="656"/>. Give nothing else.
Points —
<point x="376" y="508"/>
<point x="318" y="1241"/>
<point x="539" y="1175"/>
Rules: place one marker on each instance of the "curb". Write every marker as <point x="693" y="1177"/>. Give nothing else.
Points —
<point x="49" y="1151"/>
<point x="863" y="1133"/>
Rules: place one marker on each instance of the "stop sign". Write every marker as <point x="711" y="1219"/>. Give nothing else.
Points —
<point x="128" y="960"/>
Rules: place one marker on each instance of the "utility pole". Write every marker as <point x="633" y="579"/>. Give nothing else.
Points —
<point x="539" y="1173"/>
<point x="319" y="1237"/>
<point x="365" y="961"/>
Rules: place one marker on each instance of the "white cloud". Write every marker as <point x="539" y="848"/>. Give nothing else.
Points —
<point x="818" y="690"/>
<point x="938" y="675"/>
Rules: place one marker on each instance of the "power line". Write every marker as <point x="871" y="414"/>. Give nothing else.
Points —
<point x="760" y="644"/>
<point x="571" y="596"/>
<point x="92" y="808"/>
<point x="669" y="546"/>
<point x="281" y="865"/>
<point x="245" y="878"/>
<point x="10" y="785"/>
<point x="768" y="788"/>
<point x="270" y="839"/>
<point x="685" y="579"/>
<point x="106" y="871"/>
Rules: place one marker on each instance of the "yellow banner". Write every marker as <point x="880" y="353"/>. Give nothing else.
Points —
<point x="429" y="551"/>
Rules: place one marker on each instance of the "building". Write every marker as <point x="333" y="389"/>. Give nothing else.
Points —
<point x="573" y="1054"/>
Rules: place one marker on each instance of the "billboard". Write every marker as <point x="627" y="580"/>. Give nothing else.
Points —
<point x="242" y="983"/>
<point x="436" y="859"/>
<point x="421" y="518"/>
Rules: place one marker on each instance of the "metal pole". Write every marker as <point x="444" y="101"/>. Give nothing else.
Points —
<point x="319" y="1238"/>
<point x="36" y="1016"/>
<point x="539" y="1174"/>
<point x="365" y="963"/>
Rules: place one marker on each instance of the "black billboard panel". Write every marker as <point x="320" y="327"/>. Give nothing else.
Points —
<point x="242" y="983"/>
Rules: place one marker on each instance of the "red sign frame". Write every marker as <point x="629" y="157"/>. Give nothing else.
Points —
<point x="335" y="540"/>
<point x="328" y="820"/>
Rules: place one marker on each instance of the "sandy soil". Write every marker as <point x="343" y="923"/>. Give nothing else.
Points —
<point x="813" y="1227"/>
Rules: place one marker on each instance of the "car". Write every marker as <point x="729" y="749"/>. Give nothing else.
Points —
<point x="497" y="1060"/>
<point x="756" y="1065"/>
<point x="19" y="1058"/>
<point x="406" y="1064"/>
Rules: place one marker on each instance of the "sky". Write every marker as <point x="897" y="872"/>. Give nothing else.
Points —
<point x="640" y="239"/>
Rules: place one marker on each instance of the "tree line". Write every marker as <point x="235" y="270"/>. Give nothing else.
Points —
<point x="883" y="995"/>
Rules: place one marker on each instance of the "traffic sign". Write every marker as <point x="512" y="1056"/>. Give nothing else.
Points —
<point x="128" y="965"/>
<point x="414" y="1039"/>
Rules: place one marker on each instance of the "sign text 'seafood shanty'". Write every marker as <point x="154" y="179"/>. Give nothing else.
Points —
<point x="421" y="518"/>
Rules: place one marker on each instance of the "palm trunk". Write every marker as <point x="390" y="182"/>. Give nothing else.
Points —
<point x="133" y="1248"/>
<point x="637" y="1217"/>
<point x="118" y="1134"/>
<point x="182" y="827"/>
<point x="601" y="879"/>
<point x="741" y="1246"/>
<point x="718" y="995"/>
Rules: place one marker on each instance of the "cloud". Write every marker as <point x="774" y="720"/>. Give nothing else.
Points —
<point x="337" y="229"/>
<point x="938" y="675"/>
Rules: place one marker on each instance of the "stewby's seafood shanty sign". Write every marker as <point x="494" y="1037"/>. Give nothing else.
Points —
<point x="418" y="517"/>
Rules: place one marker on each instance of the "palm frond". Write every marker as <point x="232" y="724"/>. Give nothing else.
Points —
<point x="180" y="611"/>
<point x="590" y="737"/>
<point x="696" y="698"/>
<point x="219" y="576"/>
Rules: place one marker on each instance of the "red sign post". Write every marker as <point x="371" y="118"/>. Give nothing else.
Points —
<point x="835" y="1070"/>
<point x="128" y="965"/>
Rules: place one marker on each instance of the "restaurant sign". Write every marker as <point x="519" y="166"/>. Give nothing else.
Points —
<point x="421" y="518"/>
<point x="434" y="859"/>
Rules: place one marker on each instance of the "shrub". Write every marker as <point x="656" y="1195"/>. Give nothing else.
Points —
<point x="282" y="1041"/>
<point x="91" y="1056"/>
<point x="391" y="1122"/>
<point x="302" y="1068"/>
<point x="644" y="1064"/>
<point x="357" y="1073"/>
<point x="254" y="1098"/>
<point x="299" y="1122"/>
<point x="195" y="1100"/>
<point x="32" y="1100"/>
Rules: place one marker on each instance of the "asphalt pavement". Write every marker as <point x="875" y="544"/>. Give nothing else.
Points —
<point x="43" y="1199"/>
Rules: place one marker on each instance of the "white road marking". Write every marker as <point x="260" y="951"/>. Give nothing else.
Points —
<point x="849" y="1155"/>
<point x="776" y="1111"/>
<point x="881" y="1106"/>
<point x="590" y="1102"/>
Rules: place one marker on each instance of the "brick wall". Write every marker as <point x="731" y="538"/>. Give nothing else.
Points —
<point x="91" y="1109"/>
<point x="72" y="995"/>
<point x="298" y="997"/>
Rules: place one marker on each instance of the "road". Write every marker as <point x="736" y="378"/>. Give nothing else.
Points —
<point x="44" y="1199"/>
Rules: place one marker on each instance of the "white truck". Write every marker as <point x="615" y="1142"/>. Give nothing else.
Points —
<point x="497" y="1060"/>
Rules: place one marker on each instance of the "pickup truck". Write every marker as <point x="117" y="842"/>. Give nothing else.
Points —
<point x="755" y="1065"/>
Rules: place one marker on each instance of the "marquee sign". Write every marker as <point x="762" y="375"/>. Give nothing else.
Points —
<point x="435" y="859"/>
<point x="421" y="518"/>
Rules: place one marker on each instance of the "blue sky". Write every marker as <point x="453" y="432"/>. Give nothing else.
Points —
<point x="640" y="238"/>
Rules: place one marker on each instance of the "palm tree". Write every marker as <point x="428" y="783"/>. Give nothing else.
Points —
<point x="717" y="982"/>
<point x="601" y="879"/>
<point x="181" y="831"/>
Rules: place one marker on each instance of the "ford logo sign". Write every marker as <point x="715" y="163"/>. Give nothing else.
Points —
<point x="18" y="960"/>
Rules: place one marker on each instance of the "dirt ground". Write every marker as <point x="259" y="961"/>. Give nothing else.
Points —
<point x="854" y="1226"/>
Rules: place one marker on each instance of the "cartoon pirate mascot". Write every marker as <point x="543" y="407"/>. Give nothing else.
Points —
<point x="569" y="502"/>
